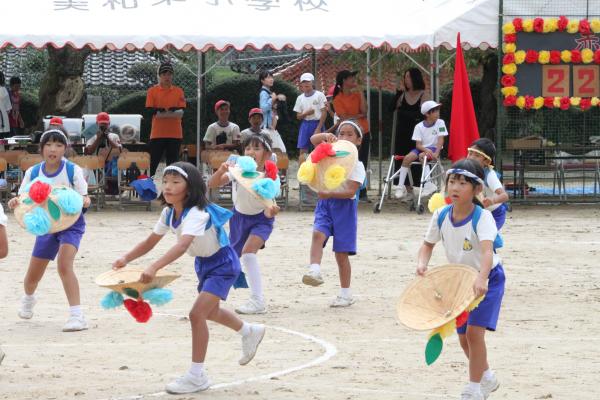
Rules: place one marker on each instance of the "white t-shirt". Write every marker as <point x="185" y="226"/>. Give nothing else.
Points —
<point x="205" y="243"/>
<point x="3" y="219"/>
<point x="244" y="201"/>
<point x="249" y="132"/>
<point x="461" y="243"/>
<point x="317" y="101"/>
<point x="5" y="107"/>
<point x="217" y="134"/>
<point x="492" y="183"/>
<point x="429" y="135"/>
<point x="358" y="174"/>
<point x="113" y="137"/>
<point x="61" y="177"/>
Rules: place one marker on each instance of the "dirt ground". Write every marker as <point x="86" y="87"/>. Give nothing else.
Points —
<point x="546" y="345"/>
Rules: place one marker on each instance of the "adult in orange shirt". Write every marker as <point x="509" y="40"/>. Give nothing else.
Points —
<point x="349" y="104"/>
<point x="166" y="101"/>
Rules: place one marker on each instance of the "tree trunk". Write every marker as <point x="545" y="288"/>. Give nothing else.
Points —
<point x="488" y="104"/>
<point x="62" y="91"/>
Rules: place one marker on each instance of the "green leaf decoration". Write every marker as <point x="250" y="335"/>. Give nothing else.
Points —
<point x="54" y="210"/>
<point x="28" y="201"/>
<point x="250" y="174"/>
<point x="433" y="349"/>
<point x="131" y="293"/>
<point x="342" y="153"/>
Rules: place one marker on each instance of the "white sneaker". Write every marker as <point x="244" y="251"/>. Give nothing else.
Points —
<point x="75" y="324"/>
<point x="188" y="384"/>
<point x="1" y="355"/>
<point x="341" y="301"/>
<point x="312" y="278"/>
<point x="489" y="385"/>
<point x="428" y="189"/>
<point x="470" y="394"/>
<point x="250" y="343"/>
<point x="400" y="192"/>
<point x="253" y="306"/>
<point x="26" y="310"/>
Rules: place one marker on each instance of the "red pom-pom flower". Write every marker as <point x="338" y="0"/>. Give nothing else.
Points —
<point x="508" y="80"/>
<point x="321" y="151"/>
<point x="562" y="23"/>
<point x="39" y="191"/>
<point x="565" y="103"/>
<point x="549" y="102"/>
<point x="510" y="38"/>
<point x="597" y="57"/>
<point x="554" y="57"/>
<point x="585" y="103"/>
<point x="271" y="169"/>
<point x="140" y="310"/>
<point x="584" y="27"/>
<point x="518" y="24"/>
<point x="508" y="58"/>
<point x="529" y="102"/>
<point x="531" y="56"/>
<point x="462" y="319"/>
<point x="538" y="25"/>
<point x="509" y="101"/>
<point x="576" y="56"/>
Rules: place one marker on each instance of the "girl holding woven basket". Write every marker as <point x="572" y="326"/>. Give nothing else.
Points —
<point x="468" y="233"/>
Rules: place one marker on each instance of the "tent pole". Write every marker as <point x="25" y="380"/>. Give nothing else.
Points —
<point x="200" y="76"/>
<point x="431" y="74"/>
<point x="368" y="111"/>
<point x="437" y="74"/>
<point x="380" y="124"/>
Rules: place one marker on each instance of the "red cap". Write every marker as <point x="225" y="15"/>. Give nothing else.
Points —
<point x="255" y="111"/>
<point x="56" y="121"/>
<point x="102" y="118"/>
<point x="330" y="91"/>
<point x="220" y="103"/>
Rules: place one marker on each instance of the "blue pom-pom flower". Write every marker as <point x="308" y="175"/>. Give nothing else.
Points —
<point x="112" y="300"/>
<point x="267" y="188"/>
<point x="37" y="221"/>
<point x="158" y="296"/>
<point x="247" y="164"/>
<point x="69" y="201"/>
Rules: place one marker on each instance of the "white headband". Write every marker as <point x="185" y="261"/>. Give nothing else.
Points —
<point x="176" y="169"/>
<point x="54" y="131"/>
<point x="464" y="172"/>
<point x="355" y="125"/>
<point x="262" y="139"/>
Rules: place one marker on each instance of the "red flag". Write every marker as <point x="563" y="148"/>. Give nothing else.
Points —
<point x="463" y="124"/>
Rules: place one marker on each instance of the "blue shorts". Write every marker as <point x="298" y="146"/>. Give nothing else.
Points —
<point x="307" y="128"/>
<point x="338" y="218"/>
<point x="241" y="226"/>
<point x="417" y="151"/>
<point x="217" y="273"/>
<point x="499" y="215"/>
<point x="487" y="312"/>
<point x="47" y="246"/>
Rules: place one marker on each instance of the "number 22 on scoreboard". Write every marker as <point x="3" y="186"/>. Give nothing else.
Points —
<point x="556" y="80"/>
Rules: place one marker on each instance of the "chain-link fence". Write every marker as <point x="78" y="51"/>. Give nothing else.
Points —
<point x="549" y="137"/>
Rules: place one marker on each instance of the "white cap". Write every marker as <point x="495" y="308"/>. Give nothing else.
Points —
<point x="307" y="77"/>
<point x="428" y="106"/>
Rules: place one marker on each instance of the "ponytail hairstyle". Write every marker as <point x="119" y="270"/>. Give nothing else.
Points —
<point x="471" y="170"/>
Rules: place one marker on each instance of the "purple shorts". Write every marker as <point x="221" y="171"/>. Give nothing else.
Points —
<point x="487" y="312"/>
<point x="241" y="226"/>
<point x="417" y="151"/>
<point x="499" y="215"/>
<point x="307" y="128"/>
<point x="338" y="218"/>
<point x="217" y="273"/>
<point x="47" y="246"/>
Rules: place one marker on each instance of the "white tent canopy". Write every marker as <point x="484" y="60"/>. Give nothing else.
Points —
<point x="221" y="24"/>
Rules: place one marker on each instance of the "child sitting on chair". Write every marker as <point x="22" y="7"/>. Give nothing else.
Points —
<point x="429" y="136"/>
<point x="223" y="134"/>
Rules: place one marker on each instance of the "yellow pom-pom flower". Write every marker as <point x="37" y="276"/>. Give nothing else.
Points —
<point x="520" y="102"/>
<point x="556" y="102"/>
<point x="509" y="69"/>
<point x="550" y="25"/>
<point x="445" y="330"/>
<point x="508" y="28"/>
<point x="509" y="90"/>
<point x="587" y="56"/>
<point x="528" y="25"/>
<point x="334" y="177"/>
<point x="575" y="101"/>
<point x="306" y="172"/>
<point x="565" y="56"/>
<point x="544" y="57"/>
<point x="573" y="26"/>
<point x="595" y="25"/>
<point x="538" y="102"/>
<point x="595" y="101"/>
<point x="509" y="47"/>
<point x="520" y="56"/>
<point x="475" y="303"/>
<point x="436" y="201"/>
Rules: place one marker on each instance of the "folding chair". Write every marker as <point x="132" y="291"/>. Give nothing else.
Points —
<point x="125" y="161"/>
<point x="96" y="165"/>
<point x="27" y="161"/>
<point x="222" y="195"/>
<point x="12" y="158"/>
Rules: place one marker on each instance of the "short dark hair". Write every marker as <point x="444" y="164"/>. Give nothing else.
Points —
<point x="262" y="74"/>
<point x="53" y="135"/>
<point x="14" y="80"/>
<point x="486" y="146"/>
<point x="258" y="138"/>
<point x="473" y="167"/>
<point x="416" y="77"/>
<point x="195" y="184"/>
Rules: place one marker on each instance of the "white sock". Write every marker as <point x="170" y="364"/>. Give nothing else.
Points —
<point x="475" y="386"/>
<point x="75" y="311"/>
<point x="245" y="329"/>
<point x="315" y="268"/>
<point x="29" y="297"/>
<point x="196" y="369"/>
<point x="345" y="292"/>
<point x="488" y="374"/>
<point x="250" y="262"/>
<point x="402" y="177"/>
